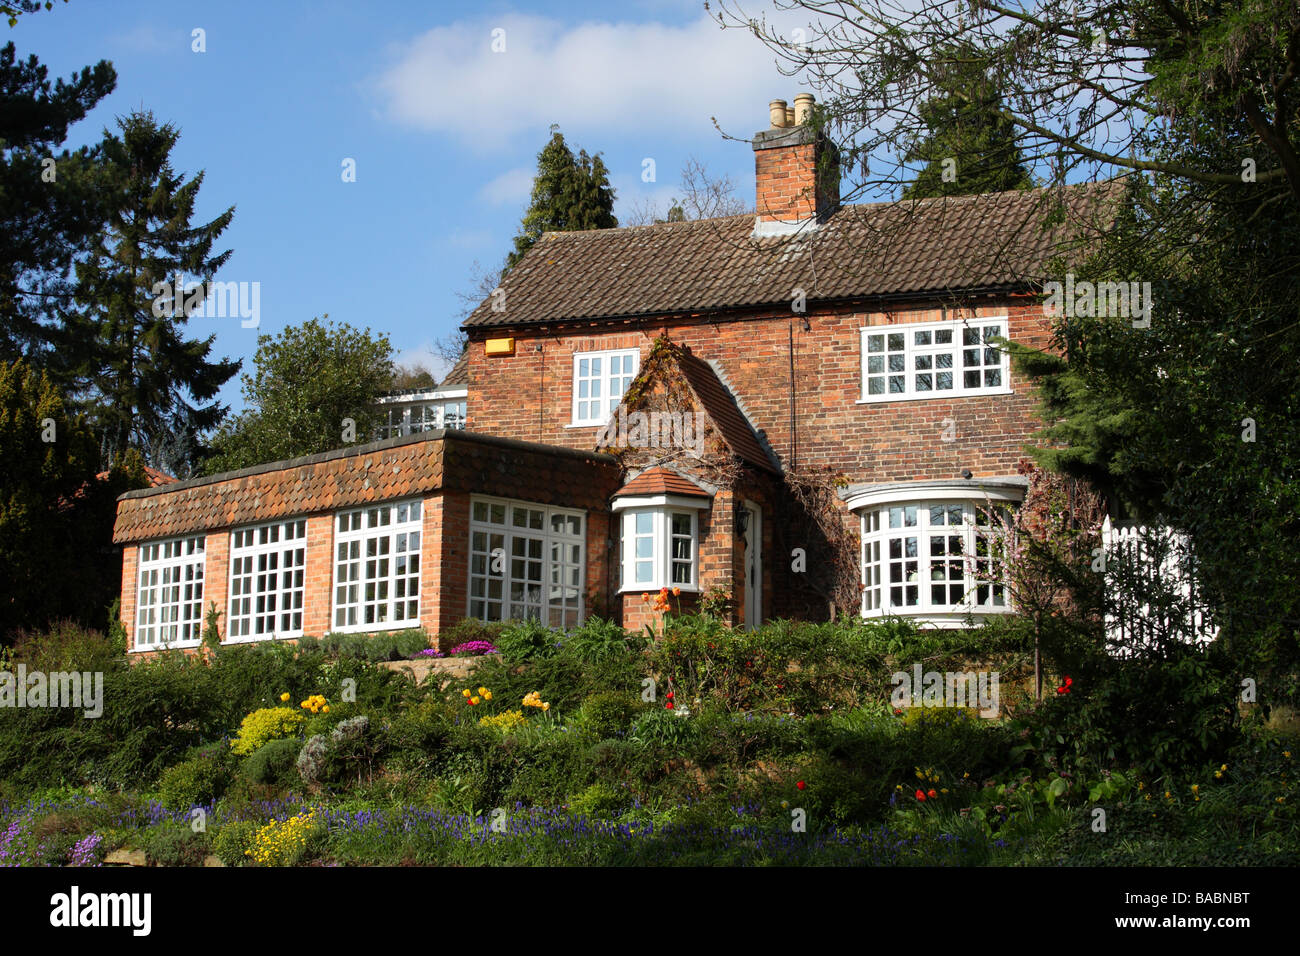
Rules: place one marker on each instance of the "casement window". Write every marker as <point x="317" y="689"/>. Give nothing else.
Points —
<point x="934" y="360"/>
<point x="659" y="545"/>
<point x="923" y="558"/>
<point x="169" y="602"/>
<point x="267" y="567"/>
<point x="377" y="567"/>
<point x="526" y="561"/>
<point x="599" y="381"/>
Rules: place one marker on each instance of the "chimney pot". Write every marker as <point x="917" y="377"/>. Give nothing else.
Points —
<point x="776" y="110"/>
<point x="803" y="108"/>
<point x="789" y="116"/>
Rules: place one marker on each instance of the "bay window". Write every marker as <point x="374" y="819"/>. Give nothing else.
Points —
<point x="659" y="542"/>
<point x="938" y="558"/>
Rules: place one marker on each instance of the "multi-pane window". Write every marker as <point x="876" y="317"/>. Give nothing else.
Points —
<point x="933" y="360"/>
<point x="267" y="566"/>
<point x="526" y="561"/>
<point x="169" y="602"/>
<point x="599" y="381"/>
<point x="659" y="548"/>
<point x="377" y="567"/>
<point x="941" y="557"/>
<point x="421" y="417"/>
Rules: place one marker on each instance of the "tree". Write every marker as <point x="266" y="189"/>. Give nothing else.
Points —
<point x="970" y="143"/>
<point x="410" y="377"/>
<point x="56" y="517"/>
<point x="703" y="196"/>
<point x="12" y="9"/>
<point x="568" y="194"/>
<point x="141" y="376"/>
<point x="47" y="202"/>
<point x="313" y="390"/>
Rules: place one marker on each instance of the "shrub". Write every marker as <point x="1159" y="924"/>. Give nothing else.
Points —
<point x="200" y="780"/>
<point x="607" y="713"/>
<point x="597" y="802"/>
<point x="505" y="721"/>
<point x="64" y="646"/>
<point x="527" y="639"/>
<point x="273" y="762"/>
<point x="599" y="640"/>
<point x="173" y="843"/>
<point x="325" y="759"/>
<point x="283" y="842"/>
<point x="383" y="646"/>
<point x="265" y="724"/>
<point x="233" y="841"/>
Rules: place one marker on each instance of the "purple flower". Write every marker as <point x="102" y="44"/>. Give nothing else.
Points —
<point x="431" y="652"/>
<point x="473" y="648"/>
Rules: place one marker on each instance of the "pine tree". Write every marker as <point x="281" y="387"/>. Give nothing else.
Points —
<point x="569" y="193"/>
<point x="142" y="376"/>
<point x="971" y="144"/>
<point x="47" y="201"/>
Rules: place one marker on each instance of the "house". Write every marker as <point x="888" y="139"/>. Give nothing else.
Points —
<point x="421" y="410"/>
<point x="794" y="413"/>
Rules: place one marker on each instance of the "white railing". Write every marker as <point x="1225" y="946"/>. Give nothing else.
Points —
<point x="1152" y="588"/>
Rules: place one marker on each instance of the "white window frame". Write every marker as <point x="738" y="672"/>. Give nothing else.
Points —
<point x="606" y="380"/>
<point x="405" y="415"/>
<point x="364" y="539"/>
<point x="891" y="575"/>
<point x="169" y="593"/>
<point x="921" y="354"/>
<point x="276" y="554"/>
<point x="502" y="583"/>
<point x="660" y="510"/>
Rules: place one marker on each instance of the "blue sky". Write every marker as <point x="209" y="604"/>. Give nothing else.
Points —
<point x="444" y="131"/>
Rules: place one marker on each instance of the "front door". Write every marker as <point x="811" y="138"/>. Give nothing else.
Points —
<point x="753" y="565"/>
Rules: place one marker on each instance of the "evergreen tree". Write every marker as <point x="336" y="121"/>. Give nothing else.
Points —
<point x="970" y="145"/>
<point x="141" y="376"/>
<point x="47" y="202"/>
<point x="309" y="382"/>
<point x="569" y="193"/>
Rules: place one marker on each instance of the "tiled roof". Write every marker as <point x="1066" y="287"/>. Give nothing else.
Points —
<point x="459" y="374"/>
<point x="378" y="471"/>
<point x="907" y="248"/>
<point x="721" y="406"/>
<point x="661" y="481"/>
<point x="156" y="478"/>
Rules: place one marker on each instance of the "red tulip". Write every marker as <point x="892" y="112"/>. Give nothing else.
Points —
<point x="801" y="785"/>
<point x="669" y="705"/>
<point x="920" y="795"/>
<point x="934" y="793"/>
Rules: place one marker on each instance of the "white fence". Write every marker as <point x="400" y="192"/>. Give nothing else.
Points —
<point x="1151" y="589"/>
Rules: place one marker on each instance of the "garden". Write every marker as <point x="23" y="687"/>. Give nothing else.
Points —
<point x="700" y="745"/>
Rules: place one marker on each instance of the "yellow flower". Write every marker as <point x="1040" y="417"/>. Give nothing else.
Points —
<point x="482" y="690"/>
<point x="487" y="695"/>
<point x="1218" y="775"/>
<point x="1224" y="767"/>
<point x="473" y="700"/>
<point x="1281" y="799"/>
<point x="546" y="706"/>
<point x="1168" y="795"/>
<point x="284" y="696"/>
<point x="919" y="775"/>
<point x="466" y="692"/>
<point x="1286" y="754"/>
<point x="1196" y="788"/>
<point x="1147" y="797"/>
<point x="325" y="709"/>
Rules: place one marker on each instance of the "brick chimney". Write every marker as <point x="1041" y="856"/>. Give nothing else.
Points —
<point x="796" y="169"/>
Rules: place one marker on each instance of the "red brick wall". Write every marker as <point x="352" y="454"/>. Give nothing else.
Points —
<point x="317" y="598"/>
<point x="130" y="591"/>
<point x="785" y="182"/>
<point x="216" y="577"/>
<point x="891" y="441"/>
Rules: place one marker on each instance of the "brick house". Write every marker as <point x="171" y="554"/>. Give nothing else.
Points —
<point x="802" y="411"/>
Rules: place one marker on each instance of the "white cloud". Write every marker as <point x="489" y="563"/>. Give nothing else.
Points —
<point x="513" y="187"/>
<point x="590" y="76"/>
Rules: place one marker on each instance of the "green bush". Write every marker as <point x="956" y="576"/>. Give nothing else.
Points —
<point x="65" y="646"/>
<point x="381" y="646"/>
<point x="200" y="780"/>
<point x="173" y="843"/>
<point x="597" y="802"/>
<point x="608" y="713"/>
<point x="526" y="640"/>
<point x="600" y="640"/>
<point x="233" y="840"/>
<point x="272" y="764"/>
<point x="265" y="724"/>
